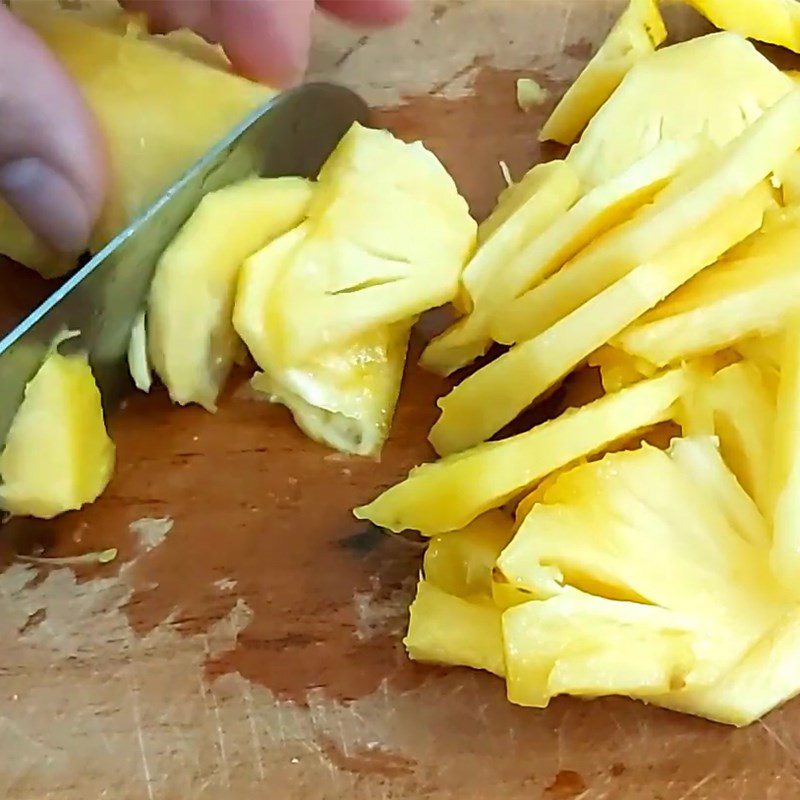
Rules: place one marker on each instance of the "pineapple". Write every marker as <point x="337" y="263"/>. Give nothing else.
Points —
<point x="635" y="36"/>
<point x="524" y="212"/>
<point x="58" y="455"/>
<point x="773" y="21"/>
<point x="598" y="211"/>
<point x="737" y="406"/>
<point x="715" y="86"/>
<point x="693" y="197"/>
<point x="737" y="299"/>
<point x="530" y="94"/>
<point x="138" y="360"/>
<point x="447" y="629"/>
<point x="618" y="369"/>
<point x="388" y="238"/>
<point x="576" y="643"/>
<point x="449" y="494"/>
<point x="494" y="395"/>
<point x="765" y="352"/>
<point x="159" y="111"/>
<point x="344" y="398"/>
<point x="649" y="528"/>
<point x="191" y="340"/>
<point x="789" y="176"/>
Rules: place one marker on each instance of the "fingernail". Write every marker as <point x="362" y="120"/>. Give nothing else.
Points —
<point x="47" y="202"/>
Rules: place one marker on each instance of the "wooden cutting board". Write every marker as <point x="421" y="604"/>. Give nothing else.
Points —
<point x="246" y="641"/>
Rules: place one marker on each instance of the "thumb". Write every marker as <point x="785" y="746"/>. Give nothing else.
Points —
<point x="52" y="161"/>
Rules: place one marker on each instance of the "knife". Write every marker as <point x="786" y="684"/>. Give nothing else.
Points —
<point x="293" y="134"/>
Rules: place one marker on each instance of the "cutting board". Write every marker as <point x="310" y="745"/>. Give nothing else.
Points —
<point x="246" y="642"/>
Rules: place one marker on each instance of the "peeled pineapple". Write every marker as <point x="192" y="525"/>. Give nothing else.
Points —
<point x="635" y="35"/>
<point x="449" y="494"/>
<point x="191" y="340"/>
<point x="159" y="112"/>
<point x="714" y="86"/>
<point x="58" y="455"/>
<point x="345" y="397"/>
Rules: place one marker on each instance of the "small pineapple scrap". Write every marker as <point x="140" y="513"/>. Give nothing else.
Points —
<point x="494" y="395"/>
<point x="344" y="398"/>
<point x="636" y="34"/>
<point x="714" y="86"/>
<point x="138" y="359"/>
<point x="191" y="341"/>
<point x="388" y="239"/>
<point x="530" y="94"/>
<point x="447" y="495"/>
<point x="58" y="455"/>
<point x="773" y="21"/>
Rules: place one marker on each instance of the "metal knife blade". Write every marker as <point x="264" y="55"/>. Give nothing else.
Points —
<point x="293" y="134"/>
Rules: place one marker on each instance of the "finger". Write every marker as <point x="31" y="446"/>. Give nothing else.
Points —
<point x="368" y="12"/>
<point x="164" y="16"/>
<point x="266" y="40"/>
<point x="52" y="159"/>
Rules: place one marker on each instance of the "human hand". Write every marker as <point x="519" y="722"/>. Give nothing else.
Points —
<point x="52" y="169"/>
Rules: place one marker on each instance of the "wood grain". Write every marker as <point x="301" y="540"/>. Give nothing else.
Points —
<point x="255" y="651"/>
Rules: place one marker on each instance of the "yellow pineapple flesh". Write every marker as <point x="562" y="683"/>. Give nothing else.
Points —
<point x="191" y="339"/>
<point x="635" y="35"/>
<point x="58" y="455"/>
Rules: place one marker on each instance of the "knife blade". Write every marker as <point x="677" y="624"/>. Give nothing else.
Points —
<point x="293" y="134"/>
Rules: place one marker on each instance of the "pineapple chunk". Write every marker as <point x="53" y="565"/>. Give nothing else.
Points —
<point x="736" y="299"/>
<point x="58" y="455"/>
<point x="588" y="646"/>
<point x="692" y="198"/>
<point x="159" y="111"/>
<point x="384" y="244"/>
<point x="524" y="211"/>
<point x="773" y="21"/>
<point x="191" y="339"/>
<point x="344" y="398"/>
<point x="494" y="395"/>
<point x="786" y="465"/>
<point x="715" y="86"/>
<point x="449" y="494"/>
<point x="642" y="527"/>
<point x="138" y="360"/>
<point x="445" y="629"/>
<point x="635" y="35"/>
<point x="461" y="562"/>
<point x="530" y="94"/>
<point x="737" y="407"/>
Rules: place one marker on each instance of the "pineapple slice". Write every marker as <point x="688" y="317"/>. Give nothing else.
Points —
<point x="159" y="111"/>
<point x="595" y="213"/>
<point x="773" y="21"/>
<point x="138" y="360"/>
<point x="737" y="407"/>
<point x="647" y="527"/>
<point x="58" y="455"/>
<point x="191" y="340"/>
<point x="446" y="629"/>
<point x="715" y="86"/>
<point x="578" y="644"/>
<point x="449" y="494"/>
<point x="524" y="211"/>
<point x="737" y="299"/>
<point x="494" y="395"/>
<point x="635" y="36"/>
<point x="344" y="398"/>
<point x="691" y="198"/>
<point x="388" y="238"/>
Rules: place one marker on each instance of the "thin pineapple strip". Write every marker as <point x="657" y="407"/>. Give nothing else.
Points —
<point x="737" y="407"/>
<point x="493" y="396"/>
<point x="785" y="556"/>
<point x="714" y="86"/>
<point x="344" y="398"/>
<point x="578" y="644"/>
<point x="445" y="629"/>
<point x="447" y="495"/>
<point x="191" y="340"/>
<point x="524" y="211"/>
<point x="635" y="35"/>
<point x="618" y="369"/>
<point x="765" y="353"/>
<point x="690" y="200"/>
<point x="773" y="21"/>
<point x="58" y="455"/>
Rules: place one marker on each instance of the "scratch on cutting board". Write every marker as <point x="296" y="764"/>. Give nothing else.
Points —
<point x="151" y="531"/>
